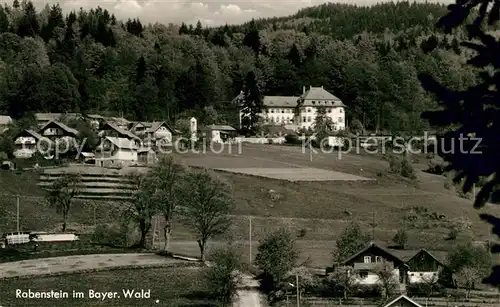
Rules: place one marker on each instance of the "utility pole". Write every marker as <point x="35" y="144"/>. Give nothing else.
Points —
<point x="250" y="240"/>
<point x="18" y="215"/>
<point x="154" y="232"/>
<point x="297" y="286"/>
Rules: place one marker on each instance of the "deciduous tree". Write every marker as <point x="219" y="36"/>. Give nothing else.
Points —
<point x="276" y="256"/>
<point x="61" y="194"/>
<point x="224" y="275"/>
<point x="142" y="207"/>
<point x="167" y="175"/>
<point x="351" y="241"/>
<point x="205" y="203"/>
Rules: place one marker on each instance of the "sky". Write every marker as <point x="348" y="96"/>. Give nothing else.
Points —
<point x="209" y="12"/>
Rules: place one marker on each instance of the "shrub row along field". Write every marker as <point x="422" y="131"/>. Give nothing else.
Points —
<point x="316" y="211"/>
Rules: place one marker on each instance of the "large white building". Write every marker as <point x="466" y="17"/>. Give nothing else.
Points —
<point x="300" y="112"/>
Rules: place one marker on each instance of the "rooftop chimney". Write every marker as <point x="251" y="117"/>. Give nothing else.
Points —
<point x="303" y="90"/>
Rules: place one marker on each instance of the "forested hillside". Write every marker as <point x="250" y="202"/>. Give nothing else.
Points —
<point x="88" y="61"/>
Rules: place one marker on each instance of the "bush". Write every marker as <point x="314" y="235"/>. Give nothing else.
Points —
<point x="110" y="235"/>
<point x="292" y="139"/>
<point x="401" y="238"/>
<point x="367" y="291"/>
<point x="453" y="234"/>
<point x="3" y="156"/>
<point x="407" y="169"/>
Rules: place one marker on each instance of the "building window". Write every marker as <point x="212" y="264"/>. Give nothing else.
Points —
<point x="341" y="120"/>
<point x="272" y="110"/>
<point x="282" y="111"/>
<point x="309" y="119"/>
<point x="378" y="259"/>
<point x="341" y="110"/>
<point x="303" y="119"/>
<point x="308" y="110"/>
<point x="368" y="259"/>
<point x="313" y="102"/>
<point x="363" y="274"/>
<point x="329" y="110"/>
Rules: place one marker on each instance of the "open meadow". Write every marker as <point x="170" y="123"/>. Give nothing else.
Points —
<point x="317" y="209"/>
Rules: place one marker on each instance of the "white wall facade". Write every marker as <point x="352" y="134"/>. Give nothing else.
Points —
<point x="163" y="133"/>
<point x="279" y="116"/>
<point x="125" y="154"/>
<point x="307" y="116"/>
<point x="373" y="279"/>
<point x="25" y="147"/>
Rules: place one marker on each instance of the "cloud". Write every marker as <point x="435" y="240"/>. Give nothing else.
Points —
<point x="209" y="12"/>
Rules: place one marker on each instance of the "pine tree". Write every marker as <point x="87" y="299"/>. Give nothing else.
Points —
<point x="294" y="56"/>
<point x="56" y="19"/>
<point x="29" y="25"/>
<point x="140" y="71"/>
<point x="199" y="29"/>
<point x="252" y="37"/>
<point x="183" y="29"/>
<point x="4" y="21"/>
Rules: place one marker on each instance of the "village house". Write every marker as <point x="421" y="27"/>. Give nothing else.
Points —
<point x="116" y="152"/>
<point x="5" y="121"/>
<point x="110" y="129"/>
<point x="299" y="112"/>
<point x="219" y="133"/>
<point x="158" y="134"/>
<point x="54" y="130"/>
<point x="365" y="264"/>
<point x="424" y="267"/>
<point x="119" y="122"/>
<point x="139" y="128"/>
<point x="95" y="120"/>
<point x="44" y="118"/>
<point x="146" y="155"/>
<point x="26" y="143"/>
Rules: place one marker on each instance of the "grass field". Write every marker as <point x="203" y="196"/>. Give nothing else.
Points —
<point x="322" y="209"/>
<point x="173" y="287"/>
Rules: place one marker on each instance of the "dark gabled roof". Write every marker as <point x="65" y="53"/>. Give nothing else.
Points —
<point x="55" y="116"/>
<point x="372" y="245"/>
<point x="440" y="261"/>
<point x="220" y="127"/>
<point x="122" y="131"/>
<point x="156" y="125"/>
<point x="122" y="143"/>
<point x="30" y="132"/>
<point x="402" y="297"/>
<point x="280" y="101"/>
<point x="60" y="125"/>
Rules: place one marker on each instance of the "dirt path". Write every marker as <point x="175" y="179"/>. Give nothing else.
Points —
<point x="250" y="295"/>
<point x="79" y="263"/>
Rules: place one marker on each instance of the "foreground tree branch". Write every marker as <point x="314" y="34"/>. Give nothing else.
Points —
<point x="472" y="143"/>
